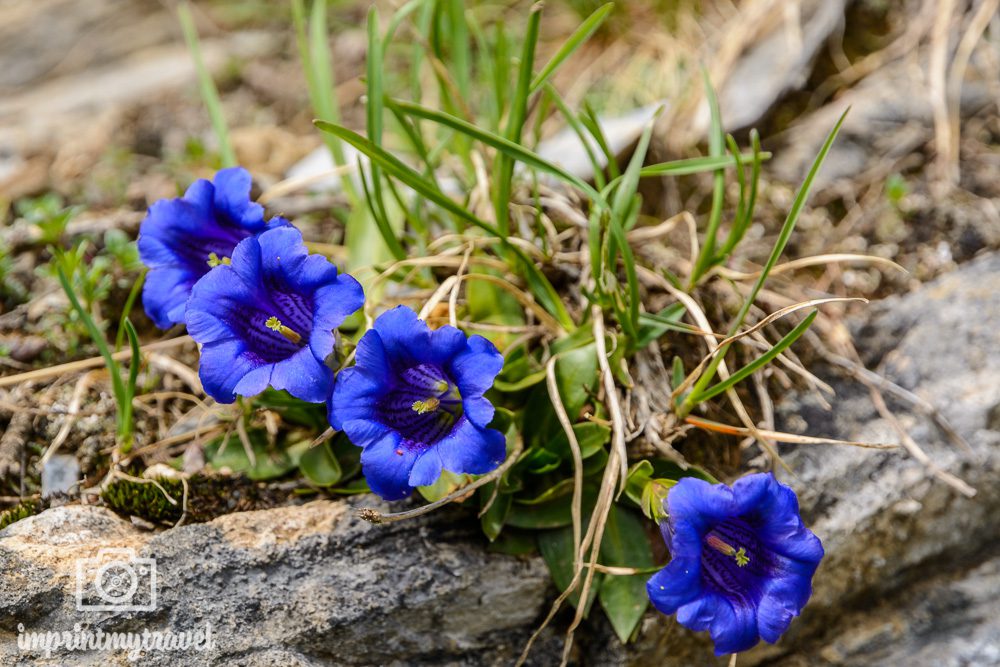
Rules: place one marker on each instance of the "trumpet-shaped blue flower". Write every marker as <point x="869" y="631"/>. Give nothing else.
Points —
<point x="414" y="401"/>
<point x="269" y="318"/>
<point x="181" y="239"/>
<point x="741" y="560"/>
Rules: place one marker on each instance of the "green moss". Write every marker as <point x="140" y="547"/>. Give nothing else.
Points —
<point x="20" y="511"/>
<point x="145" y="500"/>
<point x="208" y="498"/>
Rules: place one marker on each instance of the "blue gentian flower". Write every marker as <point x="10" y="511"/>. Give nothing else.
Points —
<point x="180" y="240"/>
<point x="741" y="560"/>
<point x="414" y="401"/>
<point x="269" y="318"/>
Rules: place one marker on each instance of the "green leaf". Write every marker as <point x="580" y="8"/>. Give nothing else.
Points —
<point x="291" y="409"/>
<point x="514" y="151"/>
<point x="623" y="597"/>
<point x="123" y="401"/>
<point x="515" y="120"/>
<point x="320" y="466"/>
<point x="209" y="93"/>
<point x="596" y="168"/>
<point x="654" y="325"/>
<point x="590" y="436"/>
<point x="271" y="463"/>
<point x="779" y="247"/>
<point x="716" y="142"/>
<point x="388" y="246"/>
<point x="539" y="284"/>
<point x="514" y="543"/>
<point x="127" y="308"/>
<point x="579" y="36"/>
<point x="447" y="483"/>
<point x="576" y="377"/>
<point x="529" y="380"/>
<point x="556" y="547"/>
<point x="789" y="225"/>
<point x="697" y="165"/>
<point x="560" y="489"/>
<point x="756" y="364"/>
<point x="638" y="477"/>
<point x="588" y="118"/>
<point x="496" y="516"/>
<point x="314" y="52"/>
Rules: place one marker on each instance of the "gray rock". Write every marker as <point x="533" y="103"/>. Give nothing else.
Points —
<point x="911" y="576"/>
<point x="302" y="585"/>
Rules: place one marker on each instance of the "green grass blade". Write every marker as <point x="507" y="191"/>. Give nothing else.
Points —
<point x="373" y="106"/>
<point x="117" y="386"/>
<point x="125" y="425"/>
<point x="577" y="127"/>
<point x="537" y="281"/>
<point x="579" y="36"/>
<point x="715" y="149"/>
<point x="379" y="214"/>
<point x="593" y="125"/>
<point x="695" y="165"/>
<point x="789" y="225"/>
<point x="630" y="321"/>
<point x="358" y="239"/>
<point x="624" y="199"/>
<point x="501" y="71"/>
<point x="756" y="364"/>
<point x="397" y="20"/>
<point x="314" y="52"/>
<point x="512" y="150"/>
<point x="127" y="308"/>
<point x="743" y="220"/>
<point x="629" y="182"/>
<point x="460" y="53"/>
<point x="515" y="120"/>
<point x="779" y="247"/>
<point x="209" y="93"/>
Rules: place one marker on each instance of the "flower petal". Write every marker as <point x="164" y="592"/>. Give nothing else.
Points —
<point x="478" y="410"/>
<point x="475" y="369"/>
<point x="221" y="367"/>
<point x="232" y="197"/>
<point x="387" y="467"/>
<point x="446" y="342"/>
<point x="700" y="503"/>
<point x="255" y="381"/>
<point x="406" y="338"/>
<point x="165" y="293"/>
<point x="354" y="396"/>
<point x="371" y="357"/>
<point x="734" y="628"/>
<point x="364" y="432"/>
<point x="676" y="585"/>
<point x="471" y="449"/>
<point x="427" y="469"/>
<point x="303" y="376"/>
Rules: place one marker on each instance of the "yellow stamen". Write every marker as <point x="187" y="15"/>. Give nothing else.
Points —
<point x="742" y="559"/>
<point x="421" y="407"/>
<point x="214" y="261"/>
<point x="274" y="324"/>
